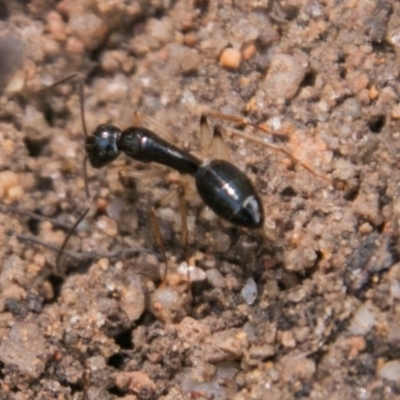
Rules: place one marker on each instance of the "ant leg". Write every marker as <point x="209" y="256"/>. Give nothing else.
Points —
<point x="75" y="75"/>
<point x="245" y="121"/>
<point x="159" y="173"/>
<point x="155" y="226"/>
<point x="60" y="250"/>
<point x="69" y="234"/>
<point x="235" y="120"/>
<point x="84" y="166"/>
<point x="79" y="79"/>
<point x="86" y="377"/>
<point x="185" y="231"/>
<point x="84" y="257"/>
<point x="158" y="238"/>
<point x="184" y="228"/>
<point x="32" y="215"/>
<point x="157" y="232"/>
<point x="25" y="238"/>
<point x="80" y="218"/>
<point x="59" y="82"/>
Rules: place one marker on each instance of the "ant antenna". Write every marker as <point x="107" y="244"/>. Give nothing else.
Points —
<point x="85" y="177"/>
<point x="69" y="234"/>
<point x="82" y="106"/>
<point x="85" y="132"/>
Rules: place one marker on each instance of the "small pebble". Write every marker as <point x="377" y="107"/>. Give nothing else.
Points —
<point x="25" y="349"/>
<point x="190" y="39"/>
<point x="103" y="264"/>
<point x="56" y="25"/>
<point x="215" y="278"/>
<point x="288" y="340"/>
<point x="390" y="371"/>
<point x="365" y="228"/>
<point x="230" y="58"/>
<point x="249" y="52"/>
<point x="170" y="303"/>
<point x="344" y="169"/>
<point x="396" y="112"/>
<point x="357" y="345"/>
<point x="284" y="77"/>
<point x="132" y="298"/>
<point x="87" y="28"/>
<point x="298" y="368"/>
<point x="218" y="241"/>
<point x="15" y="193"/>
<point x="373" y="92"/>
<point x="115" y="207"/>
<point x="363" y="320"/>
<point x="135" y="381"/>
<point x="261" y="353"/>
<point x="161" y="29"/>
<point x="394" y="37"/>
<point x="39" y="259"/>
<point x="190" y="61"/>
<point x="191" y="331"/>
<point x="75" y="46"/>
<point x="192" y="272"/>
<point x="249" y="291"/>
<point x="108" y="226"/>
<point x="16" y="83"/>
<point x="9" y="186"/>
<point x="299" y="259"/>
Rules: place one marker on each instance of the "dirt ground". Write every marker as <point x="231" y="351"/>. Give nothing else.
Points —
<point x="309" y="309"/>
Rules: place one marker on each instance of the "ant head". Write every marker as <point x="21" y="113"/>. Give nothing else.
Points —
<point x="101" y="147"/>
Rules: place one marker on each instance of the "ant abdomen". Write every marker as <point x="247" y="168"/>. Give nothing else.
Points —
<point x="229" y="193"/>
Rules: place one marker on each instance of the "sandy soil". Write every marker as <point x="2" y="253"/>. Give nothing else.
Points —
<point x="309" y="310"/>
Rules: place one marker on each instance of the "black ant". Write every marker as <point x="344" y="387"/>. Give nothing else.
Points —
<point x="221" y="185"/>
